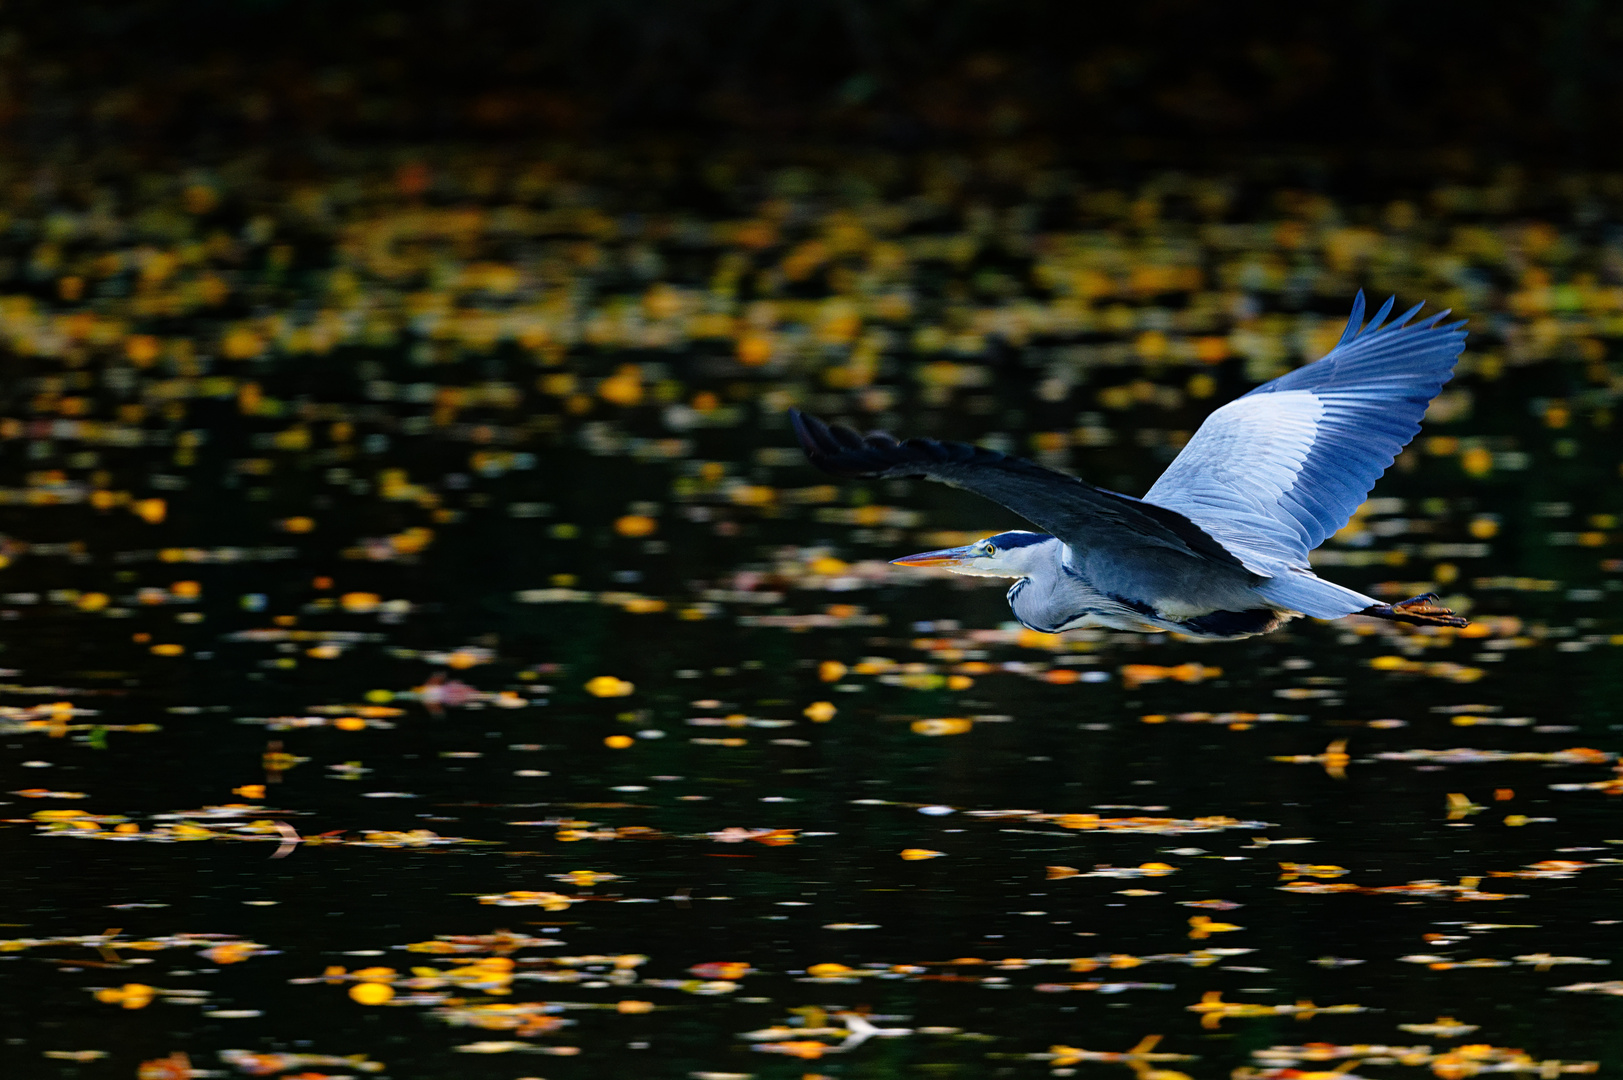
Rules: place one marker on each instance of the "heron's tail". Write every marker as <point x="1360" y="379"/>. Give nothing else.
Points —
<point x="1306" y="592"/>
<point x="1422" y="610"/>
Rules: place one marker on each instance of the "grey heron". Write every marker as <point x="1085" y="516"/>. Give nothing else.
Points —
<point x="1218" y="547"/>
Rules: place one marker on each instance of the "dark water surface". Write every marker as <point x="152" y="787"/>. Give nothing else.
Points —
<point x="597" y="727"/>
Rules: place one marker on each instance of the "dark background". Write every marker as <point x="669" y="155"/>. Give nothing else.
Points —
<point x="1466" y="85"/>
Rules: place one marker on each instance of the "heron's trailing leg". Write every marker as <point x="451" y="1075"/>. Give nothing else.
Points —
<point x="1422" y="610"/>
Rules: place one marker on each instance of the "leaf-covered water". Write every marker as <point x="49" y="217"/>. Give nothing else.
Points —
<point x="436" y="664"/>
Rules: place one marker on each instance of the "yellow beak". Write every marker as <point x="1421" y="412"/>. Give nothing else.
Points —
<point x="945" y="557"/>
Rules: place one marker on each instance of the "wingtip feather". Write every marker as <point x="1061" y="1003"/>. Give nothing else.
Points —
<point x="1355" y="321"/>
<point x="1403" y="320"/>
<point x="1380" y="316"/>
<point x="816" y="440"/>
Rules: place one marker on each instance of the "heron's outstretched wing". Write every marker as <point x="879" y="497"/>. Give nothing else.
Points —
<point x="1273" y="473"/>
<point x="1085" y="517"/>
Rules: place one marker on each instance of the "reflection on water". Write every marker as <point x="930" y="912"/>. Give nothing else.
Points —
<point x="441" y="663"/>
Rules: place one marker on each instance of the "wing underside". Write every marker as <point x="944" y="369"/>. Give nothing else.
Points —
<point x="1272" y="474"/>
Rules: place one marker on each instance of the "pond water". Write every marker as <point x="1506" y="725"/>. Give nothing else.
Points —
<point x="412" y="709"/>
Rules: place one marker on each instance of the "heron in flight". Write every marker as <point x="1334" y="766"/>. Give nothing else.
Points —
<point x="1218" y="547"/>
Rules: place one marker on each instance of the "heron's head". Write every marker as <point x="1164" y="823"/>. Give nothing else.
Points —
<point x="1006" y="555"/>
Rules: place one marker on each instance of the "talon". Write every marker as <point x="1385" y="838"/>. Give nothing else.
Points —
<point x="1424" y="604"/>
<point x="1422" y="610"/>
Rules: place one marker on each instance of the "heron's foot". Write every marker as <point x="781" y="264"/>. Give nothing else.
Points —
<point x="1422" y="610"/>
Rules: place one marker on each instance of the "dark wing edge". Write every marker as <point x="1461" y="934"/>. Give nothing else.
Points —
<point x="1053" y="501"/>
